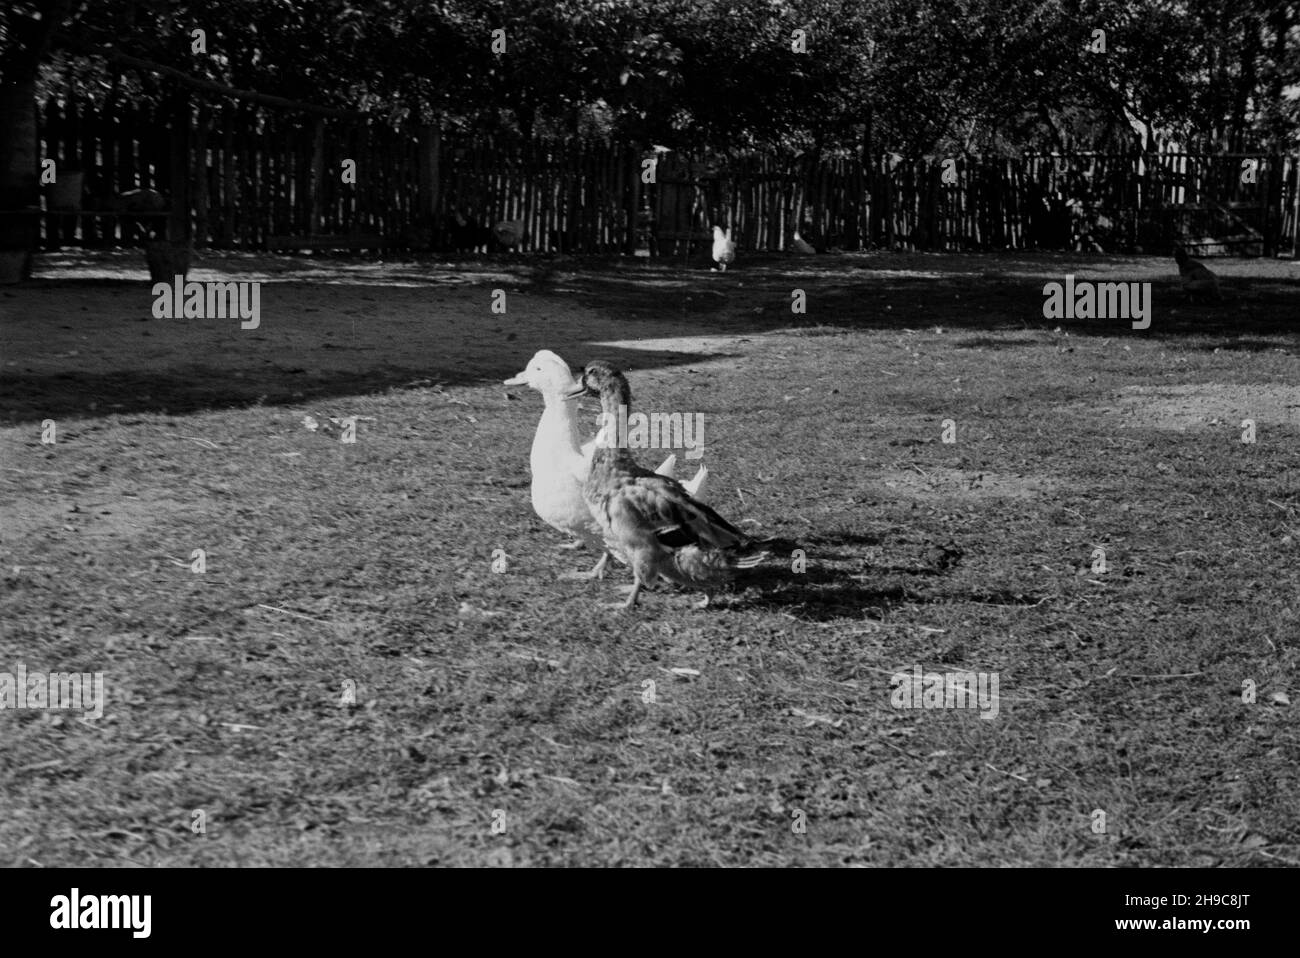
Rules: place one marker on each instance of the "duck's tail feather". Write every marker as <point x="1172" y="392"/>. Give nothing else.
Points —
<point x="696" y="484"/>
<point x="776" y="545"/>
<point x="747" y="560"/>
<point x="695" y="566"/>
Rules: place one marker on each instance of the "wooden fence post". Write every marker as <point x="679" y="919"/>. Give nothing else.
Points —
<point x="1274" y="214"/>
<point x="178" y="224"/>
<point x="229" y="183"/>
<point x="202" y="194"/>
<point x="632" y="198"/>
<point x="430" y="163"/>
<point x="1295" y="208"/>
<point x="317" y="209"/>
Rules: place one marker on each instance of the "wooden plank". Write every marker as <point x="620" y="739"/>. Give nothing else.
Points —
<point x="201" y="177"/>
<point x="178" y="227"/>
<point x="347" y="241"/>
<point x="231" y="117"/>
<point x="258" y="226"/>
<point x="316" y="187"/>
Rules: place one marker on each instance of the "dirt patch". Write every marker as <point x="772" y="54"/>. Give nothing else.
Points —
<point x="947" y="483"/>
<point x="1200" y="405"/>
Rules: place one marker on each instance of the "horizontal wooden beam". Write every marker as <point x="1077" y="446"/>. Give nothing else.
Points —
<point x="347" y="241"/>
<point x="107" y="214"/>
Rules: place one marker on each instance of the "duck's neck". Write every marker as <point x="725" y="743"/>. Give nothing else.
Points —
<point x="555" y="400"/>
<point x="615" y="399"/>
<point x="614" y="394"/>
<point x="558" y="419"/>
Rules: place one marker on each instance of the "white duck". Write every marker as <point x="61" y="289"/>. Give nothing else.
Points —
<point x="560" y="461"/>
<point x="724" y="250"/>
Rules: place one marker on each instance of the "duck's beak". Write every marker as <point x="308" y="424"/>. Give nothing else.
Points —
<point x="577" y="391"/>
<point x="520" y="380"/>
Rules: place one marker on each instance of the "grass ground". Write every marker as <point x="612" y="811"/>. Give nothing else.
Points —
<point x="515" y="698"/>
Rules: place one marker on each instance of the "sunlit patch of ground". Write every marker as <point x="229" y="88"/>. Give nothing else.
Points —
<point x="1207" y="404"/>
<point x="946" y="483"/>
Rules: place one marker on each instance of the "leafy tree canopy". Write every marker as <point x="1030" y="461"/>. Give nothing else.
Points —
<point x="876" y="76"/>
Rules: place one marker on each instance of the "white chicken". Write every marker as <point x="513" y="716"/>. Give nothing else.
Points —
<point x="802" y="246"/>
<point x="724" y="250"/>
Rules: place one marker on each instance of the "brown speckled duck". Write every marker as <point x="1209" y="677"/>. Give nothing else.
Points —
<point x="651" y="519"/>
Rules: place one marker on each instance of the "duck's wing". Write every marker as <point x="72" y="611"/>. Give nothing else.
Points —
<point x="654" y="504"/>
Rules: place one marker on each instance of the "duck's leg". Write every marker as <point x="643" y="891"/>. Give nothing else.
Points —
<point x="575" y="544"/>
<point x="634" y="591"/>
<point x="596" y="572"/>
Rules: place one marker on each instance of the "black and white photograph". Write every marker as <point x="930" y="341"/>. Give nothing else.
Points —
<point x="589" y="434"/>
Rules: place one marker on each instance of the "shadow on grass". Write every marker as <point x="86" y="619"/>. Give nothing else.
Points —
<point x="873" y="292"/>
<point x="346" y="347"/>
<point x="821" y="595"/>
<point x="844" y="538"/>
<point x="183" y="390"/>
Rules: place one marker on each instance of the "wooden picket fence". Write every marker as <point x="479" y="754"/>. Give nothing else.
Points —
<point x="241" y="176"/>
<point x="1245" y="204"/>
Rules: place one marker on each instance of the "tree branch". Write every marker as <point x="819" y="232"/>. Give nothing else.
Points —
<point x="211" y="86"/>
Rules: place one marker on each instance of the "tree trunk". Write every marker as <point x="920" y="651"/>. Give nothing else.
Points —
<point x="19" y="172"/>
<point x="178" y="224"/>
<point x="1281" y="24"/>
<point x="1248" y="53"/>
<point x="28" y="43"/>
